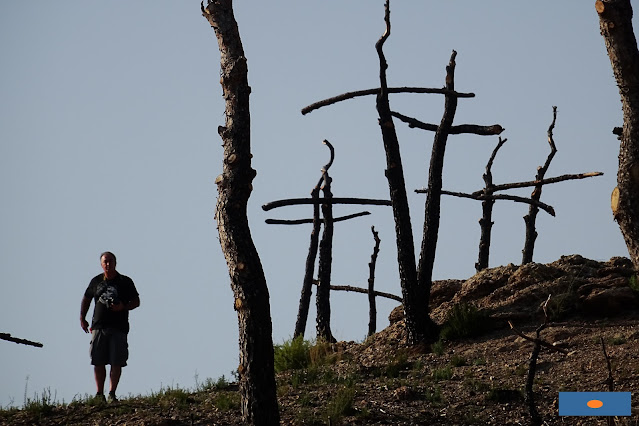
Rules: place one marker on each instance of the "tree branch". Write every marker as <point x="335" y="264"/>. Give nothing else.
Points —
<point x="363" y="290"/>
<point x="493" y="130"/>
<point x="474" y="196"/>
<point x="359" y="93"/>
<point x="302" y="201"/>
<point x="546" y="181"/>
<point x="7" y="337"/>
<point x="305" y="221"/>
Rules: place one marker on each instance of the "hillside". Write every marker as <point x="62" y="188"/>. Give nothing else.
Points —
<point x="459" y="381"/>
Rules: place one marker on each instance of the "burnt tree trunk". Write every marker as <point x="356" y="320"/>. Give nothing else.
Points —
<point x="531" y="218"/>
<point x="486" y="221"/>
<point x="307" y="284"/>
<point x="433" y="199"/>
<point x="372" y="316"/>
<point x="256" y="369"/>
<point x="415" y="298"/>
<point x="323" y="303"/>
<point x="615" y="22"/>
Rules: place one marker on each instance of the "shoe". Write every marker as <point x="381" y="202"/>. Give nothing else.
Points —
<point x="112" y="397"/>
<point x="99" y="397"/>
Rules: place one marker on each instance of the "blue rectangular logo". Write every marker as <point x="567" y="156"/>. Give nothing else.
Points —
<point x="594" y="404"/>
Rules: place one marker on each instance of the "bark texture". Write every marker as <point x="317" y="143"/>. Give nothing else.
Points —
<point x="256" y="369"/>
<point x="615" y="22"/>
<point x="486" y="221"/>
<point x="531" y="218"/>
<point x="433" y="200"/>
<point x="309" y="270"/>
<point x="415" y="298"/>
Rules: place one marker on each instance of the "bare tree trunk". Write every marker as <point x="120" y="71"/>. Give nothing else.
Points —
<point x="256" y="369"/>
<point x="433" y="200"/>
<point x="324" y="269"/>
<point x="486" y="221"/>
<point x="615" y="22"/>
<point x="307" y="284"/>
<point x="531" y="218"/>
<point x="415" y="298"/>
<point x="372" y="316"/>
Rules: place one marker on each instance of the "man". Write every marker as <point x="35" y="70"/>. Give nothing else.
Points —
<point x="115" y="295"/>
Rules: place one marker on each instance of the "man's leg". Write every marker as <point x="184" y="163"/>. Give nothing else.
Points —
<point x="99" y="371"/>
<point x="116" y="372"/>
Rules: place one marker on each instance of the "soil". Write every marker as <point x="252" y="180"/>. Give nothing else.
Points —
<point x="466" y="381"/>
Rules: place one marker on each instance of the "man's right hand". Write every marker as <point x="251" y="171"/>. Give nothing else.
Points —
<point x="84" y="324"/>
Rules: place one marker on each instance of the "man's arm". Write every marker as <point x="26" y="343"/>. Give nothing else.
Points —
<point x="84" y="308"/>
<point x="129" y="306"/>
<point x="134" y="303"/>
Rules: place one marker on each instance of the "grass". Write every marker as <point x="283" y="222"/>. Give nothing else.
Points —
<point x="341" y="404"/>
<point x="444" y="373"/>
<point x="464" y="320"/>
<point x="293" y="354"/>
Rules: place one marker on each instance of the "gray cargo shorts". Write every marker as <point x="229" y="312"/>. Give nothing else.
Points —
<point x="109" y="346"/>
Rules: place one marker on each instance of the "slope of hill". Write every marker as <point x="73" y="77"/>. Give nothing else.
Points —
<point x="474" y="380"/>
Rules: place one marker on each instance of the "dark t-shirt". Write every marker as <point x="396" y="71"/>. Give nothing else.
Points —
<point x="104" y="292"/>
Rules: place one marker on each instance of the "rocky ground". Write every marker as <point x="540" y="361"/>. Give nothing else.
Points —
<point x="469" y="381"/>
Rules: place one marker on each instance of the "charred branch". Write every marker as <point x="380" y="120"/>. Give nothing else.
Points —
<point x="486" y="221"/>
<point x="335" y="200"/>
<point x="376" y="91"/>
<point x="323" y="304"/>
<point x="609" y="380"/>
<point x="532" y="364"/>
<point x="414" y="297"/>
<point x="363" y="291"/>
<point x="545" y="207"/>
<point x="305" y="221"/>
<point x="433" y="199"/>
<point x="545" y="181"/>
<point x="413" y="123"/>
<point x="372" y="318"/>
<point x="531" y="218"/>
<point x="9" y="338"/>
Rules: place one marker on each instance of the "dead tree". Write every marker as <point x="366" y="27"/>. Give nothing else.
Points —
<point x="536" y="418"/>
<point x="322" y="298"/>
<point x="531" y="217"/>
<point x="418" y="323"/>
<point x="372" y="317"/>
<point x="256" y="369"/>
<point x="615" y="23"/>
<point x="486" y="221"/>
<point x="415" y="282"/>
<point x="325" y="246"/>
<point x="9" y="338"/>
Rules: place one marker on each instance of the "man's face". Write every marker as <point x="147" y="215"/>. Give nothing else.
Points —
<point x="108" y="264"/>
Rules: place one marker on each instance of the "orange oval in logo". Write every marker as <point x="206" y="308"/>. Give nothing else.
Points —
<point x="594" y="403"/>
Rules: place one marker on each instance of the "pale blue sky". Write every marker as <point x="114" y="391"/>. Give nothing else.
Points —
<point x="108" y="141"/>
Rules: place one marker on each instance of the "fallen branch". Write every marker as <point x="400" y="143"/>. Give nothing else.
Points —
<point x="350" y="95"/>
<point x="7" y="337"/>
<point x="493" y="130"/>
<point x="542" y="342"/>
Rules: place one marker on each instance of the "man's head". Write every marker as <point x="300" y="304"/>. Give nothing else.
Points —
<point x="107" y="260"/>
